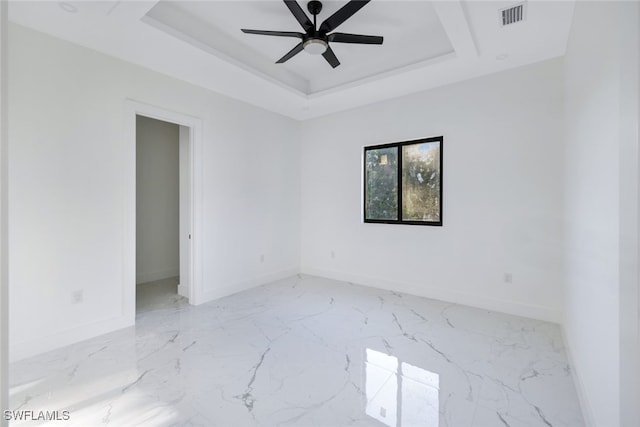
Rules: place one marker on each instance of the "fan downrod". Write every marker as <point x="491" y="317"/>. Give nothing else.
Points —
<point x="314" y="7"/>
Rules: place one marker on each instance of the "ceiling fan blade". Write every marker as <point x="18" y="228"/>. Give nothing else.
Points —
<point x="274" y="33"/>
<point x="344" y="13"/>
<point x="354" y="38"/>
<point x="331" y="57"/>
<point x="299" y="14"/>
<point x="293" y="52"/>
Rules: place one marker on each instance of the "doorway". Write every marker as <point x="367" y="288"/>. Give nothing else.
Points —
<point x="161" y="227"/>
<point x="157" y="214"/>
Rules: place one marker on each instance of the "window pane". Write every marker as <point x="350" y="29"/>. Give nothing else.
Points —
<point x="381" y="188"/>
<point x="421" y="182"/>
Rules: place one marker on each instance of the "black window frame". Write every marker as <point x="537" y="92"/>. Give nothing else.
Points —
<point x="399" y="146"/>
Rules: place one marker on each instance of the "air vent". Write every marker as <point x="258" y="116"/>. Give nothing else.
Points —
<point x="512" y="14"/>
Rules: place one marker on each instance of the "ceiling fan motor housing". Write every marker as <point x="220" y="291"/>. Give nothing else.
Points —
<point x="314" y="7"/>
<point x="315" y="43"/>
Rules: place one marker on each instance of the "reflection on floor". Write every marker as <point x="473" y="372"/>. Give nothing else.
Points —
<point x="157" y="295"/>
<point x="308" y="351"/>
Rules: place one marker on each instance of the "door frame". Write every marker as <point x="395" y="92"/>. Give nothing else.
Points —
<point x="133" y="109"/>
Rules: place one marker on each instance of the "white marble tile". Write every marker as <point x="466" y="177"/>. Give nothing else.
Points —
<point x="308" y="351"/>
<point x="158" y="294"/>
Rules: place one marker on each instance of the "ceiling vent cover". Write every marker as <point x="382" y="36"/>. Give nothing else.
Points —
<point x="512" y="14"/>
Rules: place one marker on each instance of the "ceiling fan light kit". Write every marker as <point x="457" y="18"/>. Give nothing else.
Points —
<point x="314" y="40"/>
<point x="315" y="46"/>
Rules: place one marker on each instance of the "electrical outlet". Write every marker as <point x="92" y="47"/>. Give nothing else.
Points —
<point x="508" y="278"/>
<point x="77" y="297"/>
<point x="262" y="258"/>
<point x="333" y="254"/>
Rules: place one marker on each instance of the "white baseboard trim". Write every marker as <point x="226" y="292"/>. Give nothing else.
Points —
<point x="587" y="411"/>
<point x="233" y="288"/>
<point x="23" y="349"/>
<point x="422" y="290"/>
<point x="183" y="290"/>
<point x="157" y="275"/>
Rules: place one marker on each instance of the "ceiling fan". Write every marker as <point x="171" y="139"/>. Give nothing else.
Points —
<point x="316" y="40"/>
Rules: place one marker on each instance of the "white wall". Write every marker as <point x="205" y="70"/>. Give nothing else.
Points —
<point x="629" y="154"/>
<point x="157" y="200"/>
<point x="67" y="192"/>
<point x="601" y="207"/>
<point x="4" y="253"/>
<point x="502" y="194"/>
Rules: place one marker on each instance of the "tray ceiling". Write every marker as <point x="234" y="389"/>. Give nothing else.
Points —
<point x="412" y="30"/>
<point x="426" y="44"/>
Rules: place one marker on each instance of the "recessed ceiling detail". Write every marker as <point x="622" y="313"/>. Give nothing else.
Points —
<point x="413" y="34"/>
<point x="427" y="44"/>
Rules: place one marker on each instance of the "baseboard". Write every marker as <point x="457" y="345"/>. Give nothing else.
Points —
<point x="587" y="411"/>
<point x="422" y="290"/>
<point x="22" y="350"/>
<point x="157" y="275"/>
<point x="233" y="288"/>
<point x="183" y="290"/>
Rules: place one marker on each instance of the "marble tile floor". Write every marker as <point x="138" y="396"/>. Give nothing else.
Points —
<point x="308" y="351"/>
<point x="158" y="294"/>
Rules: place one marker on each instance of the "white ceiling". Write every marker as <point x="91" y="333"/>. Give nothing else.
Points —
<point x="426" y="44"/>
<point x="404" y="25"/>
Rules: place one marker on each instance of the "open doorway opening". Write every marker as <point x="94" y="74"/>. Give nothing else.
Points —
<point x="160" y="174"/>
<point x="190" y="136"/>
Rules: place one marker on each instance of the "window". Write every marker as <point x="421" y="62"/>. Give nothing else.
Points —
<point x="403" y="182"/>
